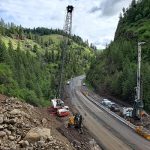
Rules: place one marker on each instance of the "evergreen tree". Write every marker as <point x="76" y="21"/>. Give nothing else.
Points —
<point x="3" y="52"/>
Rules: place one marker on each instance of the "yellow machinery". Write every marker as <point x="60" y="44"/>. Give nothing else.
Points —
<point x="71" y="121"/>
<point x="141" y="131"/>
<point x="75" y="121"/>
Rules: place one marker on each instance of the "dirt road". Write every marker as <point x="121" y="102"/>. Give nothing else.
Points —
<point x="109" y="132"/>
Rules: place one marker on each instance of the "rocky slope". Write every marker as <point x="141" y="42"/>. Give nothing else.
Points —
<point x="24" y="127"/>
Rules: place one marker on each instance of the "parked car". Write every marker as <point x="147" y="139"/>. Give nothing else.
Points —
<point x="83" y="84"/>
<point x="68" y="82"/>
<point x="105" y="102"/>
<point x="115" y="108"/>
<point x="110" y="104"/>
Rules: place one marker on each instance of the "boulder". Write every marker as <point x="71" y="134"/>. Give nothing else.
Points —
<point x="24" y="143"/>
<point x="13" y="121"/>
<point x="19" y="112"/>
<point x="35" y="134"/>
<point x="11" y="137"/>
<point x="44" y="121"/>
<point x="1" y="127"/>
<point x="7" y="132"/>
<point x="1" y="119"/>
<point x="15" y="112"/>
<point x="2" y="133"/>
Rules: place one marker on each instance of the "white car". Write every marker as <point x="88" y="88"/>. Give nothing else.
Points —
<point x="68" y="82"/>
<point x="83" y="84"/>
<point x="106" y="102"/>
<point x="110" y="104"/>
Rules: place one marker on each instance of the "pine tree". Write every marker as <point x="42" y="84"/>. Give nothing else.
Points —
<point x="3" y="52"/>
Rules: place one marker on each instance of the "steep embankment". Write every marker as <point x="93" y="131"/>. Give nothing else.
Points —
<point x="114" y="70"/>
<point x="30" y="61"/>
<point x="23" y="126"/>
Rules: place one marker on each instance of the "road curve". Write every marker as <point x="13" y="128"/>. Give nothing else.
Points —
<point x="109" y="132"/>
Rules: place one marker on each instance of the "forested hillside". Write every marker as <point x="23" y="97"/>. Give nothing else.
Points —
<point x="30" y="61"/>
<point x="114" y="69"/>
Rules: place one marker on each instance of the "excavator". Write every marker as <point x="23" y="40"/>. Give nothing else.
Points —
<point x="75" y="121"/>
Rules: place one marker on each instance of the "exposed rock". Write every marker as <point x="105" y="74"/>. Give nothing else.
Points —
<point x="7" y="132"/>
<point x="15" y="112"/>
<point x="24" y="143"/>
<point x="12" y="145"/>
<point x="11" y="128"/>
<point x="18" y="112"/>
<point x="41" y="143"/>
<point x="1" y="127"/>
<point x="12" y="121"/>
<point x="1" y="119"/>
<point x="36" y="133"/>
<point x="21" y="127"/>
<point x="44" y="121"/>
<point x="11" y="137"/>
<point x="2" y="133"/>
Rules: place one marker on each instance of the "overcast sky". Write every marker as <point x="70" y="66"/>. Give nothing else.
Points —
<point x="95" y="20"/>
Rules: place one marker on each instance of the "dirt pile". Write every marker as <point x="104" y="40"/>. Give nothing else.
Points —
<point x="22" y="127"/>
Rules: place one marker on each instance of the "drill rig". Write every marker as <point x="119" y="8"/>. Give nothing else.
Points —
<point x="138" y="103"/>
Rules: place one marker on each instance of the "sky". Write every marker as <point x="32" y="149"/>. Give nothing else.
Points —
<point x="93" y="20"/>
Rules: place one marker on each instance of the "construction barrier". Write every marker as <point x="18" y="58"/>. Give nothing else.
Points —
<point x="143" y="132"/>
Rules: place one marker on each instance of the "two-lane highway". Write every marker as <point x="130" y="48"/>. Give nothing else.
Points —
<point x="109" y="132"/>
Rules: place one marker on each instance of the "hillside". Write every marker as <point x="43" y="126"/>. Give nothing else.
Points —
<point x="113" y="72"/>
<point x="30" y="61"/>
<point x="23" y="126"/>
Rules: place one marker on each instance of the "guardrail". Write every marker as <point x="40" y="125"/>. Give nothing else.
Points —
<point x="140" y="130"/>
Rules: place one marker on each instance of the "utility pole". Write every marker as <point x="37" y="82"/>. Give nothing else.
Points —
<point x="67" y="29"/>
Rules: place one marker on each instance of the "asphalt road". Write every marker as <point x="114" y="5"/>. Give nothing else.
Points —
<point x="110" y="133"/>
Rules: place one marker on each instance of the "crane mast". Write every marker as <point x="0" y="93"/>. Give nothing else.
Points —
<point x="138" y="103"/>
<point x="67" y="29"/>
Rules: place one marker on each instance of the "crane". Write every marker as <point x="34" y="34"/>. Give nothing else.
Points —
<point x="67" y="30"/>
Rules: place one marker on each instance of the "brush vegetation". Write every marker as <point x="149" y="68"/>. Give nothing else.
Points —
<point x="30" y="61"/>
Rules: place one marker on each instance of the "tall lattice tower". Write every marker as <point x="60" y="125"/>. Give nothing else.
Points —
<point x="67" y="29"/>
<point x="68" y="21"/>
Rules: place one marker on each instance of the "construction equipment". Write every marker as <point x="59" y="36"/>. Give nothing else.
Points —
<point x="63" y="111"/>
<point x="58" y="108"/>
<point x="75" y="121"/>
<point x="138" y="103"/>
<point x="67" y="29"/>
<point x="137" y="111"/>
<point x="143" y="132"/>
<point x="127" y="112"/>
